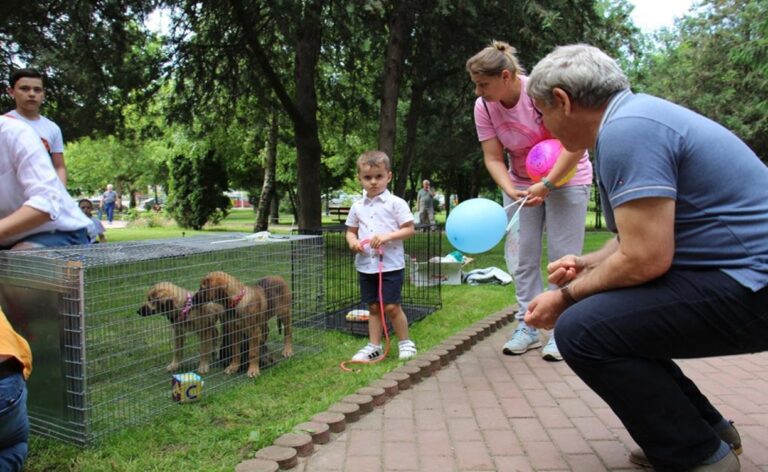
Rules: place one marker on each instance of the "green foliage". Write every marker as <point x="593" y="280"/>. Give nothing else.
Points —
<point x="198" y="183"/>
<point x="715" y="61"/>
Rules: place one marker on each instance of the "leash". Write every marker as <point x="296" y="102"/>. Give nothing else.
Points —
<point x="343" y="365"/>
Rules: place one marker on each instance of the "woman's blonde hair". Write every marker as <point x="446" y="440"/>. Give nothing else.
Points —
<point x="493" y="59"/>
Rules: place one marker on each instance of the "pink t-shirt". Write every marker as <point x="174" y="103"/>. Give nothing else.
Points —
<point x="518" y="129"/>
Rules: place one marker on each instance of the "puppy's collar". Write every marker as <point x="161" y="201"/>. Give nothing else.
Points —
<point x="187" y="307"/>
<point x="235" y="300"/>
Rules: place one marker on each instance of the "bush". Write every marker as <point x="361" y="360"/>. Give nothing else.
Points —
<point x="197" y="190"/>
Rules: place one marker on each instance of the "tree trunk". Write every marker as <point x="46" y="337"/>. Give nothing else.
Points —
<point x="411" y="128"/>
<point x="268" y="188"/>
<point x="393" y="69"/>
<point x="274" y="212"/>
<point x="303" y="110"/>
<point x="306" y="131"/>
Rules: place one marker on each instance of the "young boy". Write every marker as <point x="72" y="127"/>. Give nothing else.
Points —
<point x="384" y="221"/>
<point x="96" y="230"/>
<point x="28" y="92"/>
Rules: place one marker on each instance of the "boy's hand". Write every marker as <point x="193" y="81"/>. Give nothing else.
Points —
<point x="355" y="246"/>
<point x="379" y="240"/>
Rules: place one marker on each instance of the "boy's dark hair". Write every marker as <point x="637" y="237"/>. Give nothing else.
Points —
<point x="85" y="200"/>
<point x="22" y="73"/>
<point x="373" y="159"/>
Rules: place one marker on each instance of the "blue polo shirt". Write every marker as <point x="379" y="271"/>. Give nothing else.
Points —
<point x="649" y="147"/>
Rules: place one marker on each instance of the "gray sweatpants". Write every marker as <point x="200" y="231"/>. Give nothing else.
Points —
<point x="563" y="215"/>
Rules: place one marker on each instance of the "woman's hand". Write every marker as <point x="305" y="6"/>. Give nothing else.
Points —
<point x="538" y="190"/>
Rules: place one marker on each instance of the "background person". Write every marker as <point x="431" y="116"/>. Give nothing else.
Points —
<point x="96" y="229"/>
<point x="507" y="120"/>
<point x="35" y="208"/>
<point x="385" y="220"/>
<point x="108" y="202"/>
<point x="687" y="274"/>
<point x="15" y="368"/>
<point x="425" y="202"/>
<point x="28" y="91"/>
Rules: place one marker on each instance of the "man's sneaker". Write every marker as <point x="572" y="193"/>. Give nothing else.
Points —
<point x="522" y="340"/>
<point x="407" y="349"/>
<point x="370" y="352"/>
<point x="551" y="352"/>
<point x="730" y="435"/>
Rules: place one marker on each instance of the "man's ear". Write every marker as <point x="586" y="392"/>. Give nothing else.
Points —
<point x="562" y="100"/>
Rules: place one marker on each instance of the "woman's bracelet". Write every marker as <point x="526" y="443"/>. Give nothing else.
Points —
<point x="550" y="186"/>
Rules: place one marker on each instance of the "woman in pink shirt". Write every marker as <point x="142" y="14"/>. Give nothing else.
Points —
<point x="508" y="125"/>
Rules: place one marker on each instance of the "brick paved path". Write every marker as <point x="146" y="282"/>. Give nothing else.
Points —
<point x="490" y="412"/>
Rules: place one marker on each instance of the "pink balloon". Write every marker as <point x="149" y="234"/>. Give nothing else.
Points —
<point x="541" y="158"/>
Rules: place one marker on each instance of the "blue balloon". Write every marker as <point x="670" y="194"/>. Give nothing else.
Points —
<point x="476" y="225"/>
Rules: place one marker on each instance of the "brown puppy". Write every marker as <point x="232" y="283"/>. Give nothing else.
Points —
<point x="278" y="304"/>
<point x="176" y="304"/>
<point x="246" y="308"/>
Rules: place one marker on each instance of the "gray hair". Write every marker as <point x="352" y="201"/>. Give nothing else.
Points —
<point x="589" y="75"/>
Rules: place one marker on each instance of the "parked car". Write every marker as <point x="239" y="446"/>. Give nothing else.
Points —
<point x="152" y="204"/>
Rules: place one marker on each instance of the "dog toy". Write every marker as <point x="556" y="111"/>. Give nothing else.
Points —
<point x="542" y="157"/>
<point x="187" y="387"/>
<point x="357" y="315"/>
<point x="476" y="225"/>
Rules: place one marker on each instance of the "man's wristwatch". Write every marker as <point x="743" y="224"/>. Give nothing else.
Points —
<point x="565" y="290"/>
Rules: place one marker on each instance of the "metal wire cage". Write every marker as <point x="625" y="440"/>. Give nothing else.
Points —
<point x="98" y="365"/>
<point x="421" y="292"/>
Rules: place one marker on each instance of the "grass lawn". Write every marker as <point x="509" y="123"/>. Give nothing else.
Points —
<point x="221" y="430"/>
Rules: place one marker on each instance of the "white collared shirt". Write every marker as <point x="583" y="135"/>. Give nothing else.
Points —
<point x="27" y="178"/>
<point x="381" y="214"/>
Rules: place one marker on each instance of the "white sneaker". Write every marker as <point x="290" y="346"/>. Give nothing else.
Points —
<point x="370" y="352"/>
<point x="523" y="339"/>
<point x="407" y="349"/>
<point x="551" y="352"/>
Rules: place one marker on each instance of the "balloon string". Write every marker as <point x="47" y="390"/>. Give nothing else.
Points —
<point x="516" y="217"/>
<point x="523" y="199"/>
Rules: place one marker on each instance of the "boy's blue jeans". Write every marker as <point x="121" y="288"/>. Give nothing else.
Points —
<point x="14" y="423"/>
<point x="622" y="342"/>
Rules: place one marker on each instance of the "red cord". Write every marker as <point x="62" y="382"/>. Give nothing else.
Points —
<point x="381" y="312"/>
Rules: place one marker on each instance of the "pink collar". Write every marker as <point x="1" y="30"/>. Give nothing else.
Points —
<point x="187" y="307"/>
<point x="234" y="301"/>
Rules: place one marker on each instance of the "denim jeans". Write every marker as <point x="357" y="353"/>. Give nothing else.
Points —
<point x="622" y="342"/>
<point x="14" y="423"/>
<point x="109" y="209"/>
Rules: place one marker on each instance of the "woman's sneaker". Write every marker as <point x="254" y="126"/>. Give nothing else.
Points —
<point x="370" y="352"/>
<point x="550" y="352"/>
<point x="407" y="349"/>
<point x="522" y="340"/>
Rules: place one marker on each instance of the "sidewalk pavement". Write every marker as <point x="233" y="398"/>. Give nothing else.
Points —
<point x="116" y="224"/>
<point x="489" y="412"/>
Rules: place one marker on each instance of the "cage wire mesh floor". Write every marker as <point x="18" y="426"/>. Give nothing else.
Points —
<point x="421" y="293"/>
<point x="100" y="365"/>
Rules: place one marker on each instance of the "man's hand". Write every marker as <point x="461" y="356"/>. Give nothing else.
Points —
<point x="545" y="309"/>
<point x="565" y="269"/>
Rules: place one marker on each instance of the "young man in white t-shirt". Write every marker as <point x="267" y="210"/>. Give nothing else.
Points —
<point x="28" y="92"/>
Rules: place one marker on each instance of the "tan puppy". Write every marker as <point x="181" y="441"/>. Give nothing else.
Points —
<point x="176" y="304"/>
<point x="278" y="304"/>
<point x="246" y="308"/>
